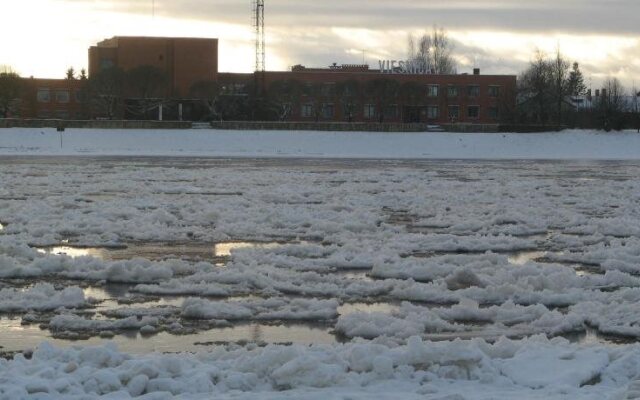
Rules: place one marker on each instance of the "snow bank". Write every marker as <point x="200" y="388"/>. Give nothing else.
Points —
<point x="565" y="145"/>
<point x="535" y="368"/>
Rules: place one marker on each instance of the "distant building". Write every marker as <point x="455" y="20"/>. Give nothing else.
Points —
<point x="54" y="99"/>
<point x="401" y="93"/>
<point x="427" y="98"/>
<point x="185" y="61"/>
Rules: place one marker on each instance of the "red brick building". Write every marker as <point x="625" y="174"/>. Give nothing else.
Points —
<point x="184" y="61"/>
<point x="54" y="99"/>
<point x="337" y="93"/>
<point x="396" y="97"/>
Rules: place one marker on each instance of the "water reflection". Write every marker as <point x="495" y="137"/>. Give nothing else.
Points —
<point x="16" y="337"/>
<point x="351" y="308"/>
<point x="525" y="257"/>
<point x="224" y="249"/>
<point x="73" y="252"/>
<point x="160" y="251"/>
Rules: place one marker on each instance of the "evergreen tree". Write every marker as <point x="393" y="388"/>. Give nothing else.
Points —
<point x="83" y="74"/>
<point x="11" y="86"/>
<point x="576" y="81"/>
<point x="71" y="73"/>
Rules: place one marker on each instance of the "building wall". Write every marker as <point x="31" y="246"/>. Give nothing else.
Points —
<point x="185" y="61"/>
<point x="53" y="98"/>
<point x="491" y="107"/>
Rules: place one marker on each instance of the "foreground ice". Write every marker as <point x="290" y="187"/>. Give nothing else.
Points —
<point x="382" y="255"/>
<point x="535" y="368"/>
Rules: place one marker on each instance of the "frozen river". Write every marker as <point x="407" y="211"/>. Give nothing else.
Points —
<point x="530" y="263"/>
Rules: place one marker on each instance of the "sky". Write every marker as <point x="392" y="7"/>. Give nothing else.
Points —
<point x="43" y="38"/>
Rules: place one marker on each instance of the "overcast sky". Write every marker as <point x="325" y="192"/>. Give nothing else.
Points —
<point x="44" y="37"/>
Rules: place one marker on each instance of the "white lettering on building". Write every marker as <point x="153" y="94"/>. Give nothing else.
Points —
<point x="403" y="67"/>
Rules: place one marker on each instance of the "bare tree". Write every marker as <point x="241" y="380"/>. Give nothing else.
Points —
<point x="106" y="92"/>
<point x="146" y="85"/>
<point x="610" y="106"/>
<point x="559" y="69"/>
<point x="433" y="51"/>
<point x="208" y="92"/>
<point x="412" y="98"/>
<point x="535" y="87"/>
<point x="349" y="93"/>
<point x="384" y="92"/>
<point x="283" y="95"/>
<point x="636" y="106"/>
<point x="11" y="86"/>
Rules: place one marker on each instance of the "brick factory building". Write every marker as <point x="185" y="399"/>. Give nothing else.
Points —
<point x="185" y="61"/>
<point x="339" y="93"/>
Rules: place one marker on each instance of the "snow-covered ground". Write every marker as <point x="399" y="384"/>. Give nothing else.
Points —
<point x="393" y="279"/>
<point x="591" y="145"/>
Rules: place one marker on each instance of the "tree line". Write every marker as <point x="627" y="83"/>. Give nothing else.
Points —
<point x="552" y="90"/>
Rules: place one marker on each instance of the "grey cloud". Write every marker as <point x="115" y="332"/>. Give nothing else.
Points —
<point x="593" y="16"/>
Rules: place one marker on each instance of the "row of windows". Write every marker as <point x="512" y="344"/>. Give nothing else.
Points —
<point x="329" y="90"/>
<point x="454" y="91"/>
<point x="59" y="96"/>
<point x="371" y="111"/>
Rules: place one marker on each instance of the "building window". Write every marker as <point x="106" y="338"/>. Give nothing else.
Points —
<point x="80" y="96"/>
<point x="454" y="112"/>
<point x="328" y="111"/>
<point x="494" y="113"/>
<point x="433" y="112"/>
<point x="494" y="91"/>
<point x="453" y="91"/>
<point x="432" y="90"/>
<point x="391" y="111"/>
<point x="473" y="90"/>
<point x="369" y="111"/>
<point x="328" y="89"/>
<point x="62" y="96"/>
<point x="473" y="112"/>
<point x="307" y="89"/>
<point x="307" y="110"/>
<point x="44" y="95"/>
<point x="106" y="63"/>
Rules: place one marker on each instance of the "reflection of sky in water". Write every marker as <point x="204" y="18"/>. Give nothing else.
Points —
<point x="158" y="251"/>
<point x="15" y="337"/>
<point x="525" y="257"/>
<point x="352" y="308"/>
<point x="224" y="249"/>
<point x="73" y="251"/>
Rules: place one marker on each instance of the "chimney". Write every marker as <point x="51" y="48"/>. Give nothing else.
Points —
<point x="604" y="92"/>
<point x="476" y="71"/>
<point x="597" y="92"/>
<point x="589" y="94"/>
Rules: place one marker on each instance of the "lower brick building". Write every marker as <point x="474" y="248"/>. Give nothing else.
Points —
<point x="355" y="93"/>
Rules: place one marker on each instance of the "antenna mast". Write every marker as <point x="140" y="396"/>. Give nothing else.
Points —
<point x="258" y="14"/>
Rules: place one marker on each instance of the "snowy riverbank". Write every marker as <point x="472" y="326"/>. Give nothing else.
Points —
<point x="588" y="145"/>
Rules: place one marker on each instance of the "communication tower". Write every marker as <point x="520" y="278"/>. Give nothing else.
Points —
<point x="258" y="24"/>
